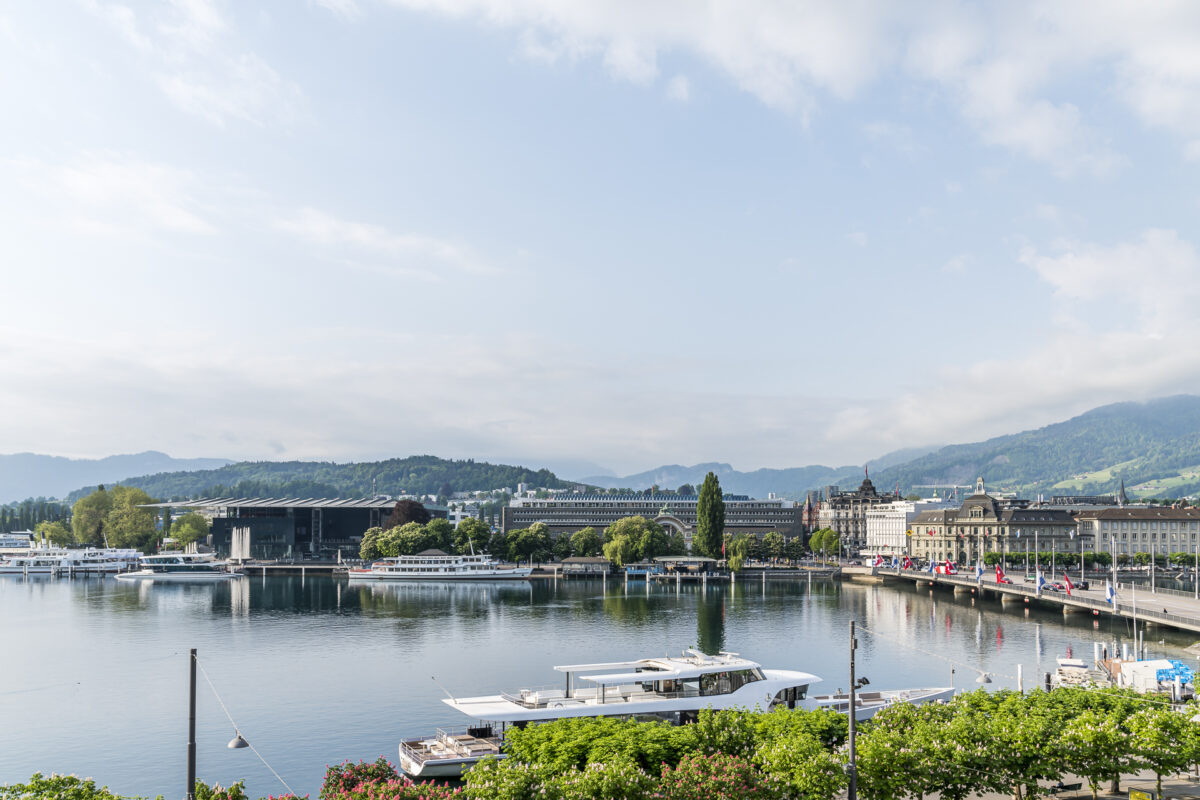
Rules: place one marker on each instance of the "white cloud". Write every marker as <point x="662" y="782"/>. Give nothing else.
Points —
<point x="1125" y="328"/>
<point x="678" y="89"/>
<point x="857" y="238"/>
<point x="375" y="246"/>
<point x="114" y="194"/>
<point x="196" y="60"/>
<point x="1003" y="65"/>
<point x="346" y="9"/>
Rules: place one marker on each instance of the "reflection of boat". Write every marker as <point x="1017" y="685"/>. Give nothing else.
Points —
<point x="180" y="568"/>
<point x="435" y="565"/>
<point x="674" y="689"/>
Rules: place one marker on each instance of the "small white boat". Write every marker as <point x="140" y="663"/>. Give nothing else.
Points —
<point x="180" y="568"/>
<point x="674" y="689"/>
<point x="436" y="565"/>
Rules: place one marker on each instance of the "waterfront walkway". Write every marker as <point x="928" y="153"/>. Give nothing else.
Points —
<point x="1174" y="787"/>
<point x="1165" y="607"/>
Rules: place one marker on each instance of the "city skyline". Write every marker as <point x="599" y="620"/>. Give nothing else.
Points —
<point x="638" y="234"/>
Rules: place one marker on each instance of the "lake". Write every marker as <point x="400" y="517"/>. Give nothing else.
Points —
<point x="94" y="674"/>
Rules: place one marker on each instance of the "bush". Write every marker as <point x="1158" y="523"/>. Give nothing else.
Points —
<point x="717" y="777"/>
<point x="617" y="780"/>
<point x="57" y="787"/>
<point x="341" y="778"/>
<point x="508" y="779"/>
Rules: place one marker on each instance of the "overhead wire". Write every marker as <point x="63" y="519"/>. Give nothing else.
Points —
<point x="238" y="730"/>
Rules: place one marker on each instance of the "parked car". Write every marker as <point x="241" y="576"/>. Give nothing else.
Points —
<point x="1055" y="587"/>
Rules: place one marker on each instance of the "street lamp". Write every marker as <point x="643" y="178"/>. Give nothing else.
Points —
<point x="983" y="678"/>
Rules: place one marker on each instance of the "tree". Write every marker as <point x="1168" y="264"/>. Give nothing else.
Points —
<point x="648" y="537"/>
<point x="189" y="528"/>
<point x="56" y="533"/>
<point x="620" y="549"/>
<point x="126" y="525"/>
<point x="368" y="549"/>
<point x="774" y="545"/>
<point x="687" y="490"/>
<point x="440" y="534"/>
<point x="88" y="516"/>
<point x="676" y="544"/>
<point x="585" y="542"/>
<point x="404" y="512"/>
<point x="795" y="548"/>
<point x="406" y="540"/>
<point x="1163" y="740"/>
<point x="562" y="547"/>
<point x="826" y="541"/>
<point x="532" y="543"/>
<point x="739" y="551"/>
<point x="471" y="535"/>
<point x="1095" y="746"/>
<point x="710" y="518"/>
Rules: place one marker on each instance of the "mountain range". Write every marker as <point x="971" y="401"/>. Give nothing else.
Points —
<point x="1153" y="446"/>
<point x="25" y="475"/>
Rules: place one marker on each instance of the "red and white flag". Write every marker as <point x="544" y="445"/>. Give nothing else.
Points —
<point x="999" y="574"/>
<point x="879" y="561"/>
<point x="1067" y="581"/>
<point x="907" y="562"/>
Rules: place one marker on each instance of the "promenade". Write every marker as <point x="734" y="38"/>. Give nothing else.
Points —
<point x="1164" y="607"/>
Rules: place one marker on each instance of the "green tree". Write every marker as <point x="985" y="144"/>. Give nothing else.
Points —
<point x="126" y="525"/>
<point x="774" y="545"/>
<point x="1095" y="746"/>
<point x="795" y="549"/>
<point x="471" y="535"/>
<point x="585" y="542"/>
<point x="676" y="544"/>
<point x="1164" y="741"/>
<point x="710" y="518"/>
<point x="88" y="516"/>
<point x="56" y="533"/>
<point x="621" y="550"/>
<point x="440" y="534"/>
<point x="189" y="528"/>
<point x="368" y="549"/>
<point x="531" y="544"/>
<point x="739" y="551"/>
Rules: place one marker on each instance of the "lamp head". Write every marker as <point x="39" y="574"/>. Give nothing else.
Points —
<point x="237" y="742"/>
<point x="983" y="678"/>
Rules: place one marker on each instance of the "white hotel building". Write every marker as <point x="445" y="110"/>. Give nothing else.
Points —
<point x="888" y="524"/>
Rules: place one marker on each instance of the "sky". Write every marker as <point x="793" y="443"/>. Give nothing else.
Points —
<point x="590" y="235"/>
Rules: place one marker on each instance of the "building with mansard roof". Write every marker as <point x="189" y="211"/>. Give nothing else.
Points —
<point x="985" y="524"/>
<point x="846" y="512"/>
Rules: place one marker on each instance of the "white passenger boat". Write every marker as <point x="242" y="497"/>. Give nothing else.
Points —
<point x="435" y="565"/>
<point x="180" y="568"/>
<point x="35" y="562"/>
<point x="101" y="560"/>
<point x="674" y="689"/>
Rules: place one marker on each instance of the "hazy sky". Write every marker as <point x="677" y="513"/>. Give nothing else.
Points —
<point x="634" y="233"/>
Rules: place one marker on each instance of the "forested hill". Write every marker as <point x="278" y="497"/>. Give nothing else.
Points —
<point x="1154" y="446"/>
<point x="396" y="476"/>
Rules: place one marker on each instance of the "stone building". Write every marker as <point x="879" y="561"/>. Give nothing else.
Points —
<point x="1126" y="531"/>
<point x="846" y="513"/>
<point x="985" y="524"/>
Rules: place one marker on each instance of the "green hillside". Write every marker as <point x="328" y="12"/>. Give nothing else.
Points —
<point x="1154" y="446"/>
<point x="396" y="476"/>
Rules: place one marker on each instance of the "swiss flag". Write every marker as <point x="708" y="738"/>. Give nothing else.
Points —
<point x="1067" y="580"/>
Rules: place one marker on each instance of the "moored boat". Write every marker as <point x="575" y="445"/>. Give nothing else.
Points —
<point x="436" y="565"/>
<point x="180" y="568"/>
<point x="673" y="689"/>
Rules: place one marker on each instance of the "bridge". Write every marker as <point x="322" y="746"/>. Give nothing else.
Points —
<point x="1165" y="607"/>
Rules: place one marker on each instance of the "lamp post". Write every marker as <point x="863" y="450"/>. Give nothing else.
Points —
<point x="852" y="768"/>
<point x="191" y="747"/>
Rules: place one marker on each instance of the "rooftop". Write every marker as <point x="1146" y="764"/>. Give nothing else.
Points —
<point x="277" y="502"/>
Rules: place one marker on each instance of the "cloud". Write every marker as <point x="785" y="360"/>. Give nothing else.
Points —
<point x="346" y="9"/>
<point x="194" y="57"/>
<point x="115" y="194"/>
<point x="678" y="89"/>
<point x="1126" y="328"/>
<point x="375" y="246"/>
<point x="1009" y="68"/>
<point x="857" y="238"/>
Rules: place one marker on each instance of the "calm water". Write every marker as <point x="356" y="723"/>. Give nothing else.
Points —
<point x="93" y="678"/>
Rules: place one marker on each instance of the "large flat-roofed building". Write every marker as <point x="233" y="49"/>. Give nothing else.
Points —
<point x="985" y="524"/>
<point x="1125" y="531"/>
<point x="567" y="513"/>
<point x="888" y="525"/>
<point x="278" y="527"/>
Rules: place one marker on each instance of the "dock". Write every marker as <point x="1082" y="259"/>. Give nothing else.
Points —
<point x="1165" y="607"/>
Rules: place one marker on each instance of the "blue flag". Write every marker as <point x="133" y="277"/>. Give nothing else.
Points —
<point x="1041" y="581"/>
<point x="978" y="571"/>
<point x="1110" y="594"/>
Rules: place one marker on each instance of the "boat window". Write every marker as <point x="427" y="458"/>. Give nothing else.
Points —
<point x="714" y="683"/>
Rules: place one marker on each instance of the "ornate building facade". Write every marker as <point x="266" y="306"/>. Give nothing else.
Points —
<point x="984" y="524"/>
<point x="846" y="513"/>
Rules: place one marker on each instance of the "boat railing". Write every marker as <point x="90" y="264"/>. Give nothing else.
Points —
<point x="452" y="743"/>
<point x="556" y="697"/>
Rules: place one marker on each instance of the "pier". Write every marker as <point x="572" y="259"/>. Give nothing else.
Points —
<point x="1165" y="607"/>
